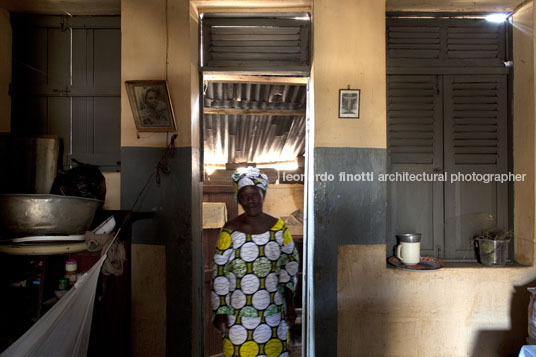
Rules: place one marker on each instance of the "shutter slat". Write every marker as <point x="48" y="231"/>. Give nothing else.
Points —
<point x="255" y="56"/>
<point x="254" y="30"/>
<point x="472" y="54"/>
<point x="245" y="49"/>
<point x="255" y="37"/>
<point x="257" y="44"/>
<point x="414" y="53"/>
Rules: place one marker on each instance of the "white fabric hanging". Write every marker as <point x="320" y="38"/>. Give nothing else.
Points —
<point x="64" y="330"/>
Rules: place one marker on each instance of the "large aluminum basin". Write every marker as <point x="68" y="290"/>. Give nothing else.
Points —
<point x="34" y="214"/>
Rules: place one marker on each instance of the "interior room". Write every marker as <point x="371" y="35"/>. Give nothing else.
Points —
<point x="333" y="103"/>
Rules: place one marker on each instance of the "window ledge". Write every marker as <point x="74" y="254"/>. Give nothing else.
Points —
<point x="463" y="264"/>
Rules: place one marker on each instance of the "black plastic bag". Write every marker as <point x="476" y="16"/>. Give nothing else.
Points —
<point x="83" y="181"/>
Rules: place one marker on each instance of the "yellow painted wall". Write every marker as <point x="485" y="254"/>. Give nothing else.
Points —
<point x="5" y="72"/>
<point x="157" y="43"/>
<point x="524" y="132"/>
<point x="349" y="49"/>
<point x="448" y="312"/>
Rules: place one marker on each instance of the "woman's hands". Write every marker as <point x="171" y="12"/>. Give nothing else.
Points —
<point x="220" y="322"/>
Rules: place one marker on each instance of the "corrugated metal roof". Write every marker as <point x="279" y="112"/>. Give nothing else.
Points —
<point x="262" y="138"/>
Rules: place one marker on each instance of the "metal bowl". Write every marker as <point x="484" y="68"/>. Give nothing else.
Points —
<point x="34" y="215"/>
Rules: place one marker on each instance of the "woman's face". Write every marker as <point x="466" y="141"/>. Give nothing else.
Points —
<point x="251" y="199"/>
<point x="151" y="99"/>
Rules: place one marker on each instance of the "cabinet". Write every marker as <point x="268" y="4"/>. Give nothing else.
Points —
<point x="27" y="285"/>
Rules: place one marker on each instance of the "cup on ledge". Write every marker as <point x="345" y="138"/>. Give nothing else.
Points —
<point x="409" y="248"/>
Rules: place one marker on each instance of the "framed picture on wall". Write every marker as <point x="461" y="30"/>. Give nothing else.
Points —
<point x="349" y="103"/>
<point x="151" y="106"/>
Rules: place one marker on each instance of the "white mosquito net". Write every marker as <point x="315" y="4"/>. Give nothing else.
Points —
<point x="64" y="330"/>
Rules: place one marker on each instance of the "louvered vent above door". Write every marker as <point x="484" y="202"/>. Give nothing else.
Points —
<point x="256" y="44"/>
<point x="413" y="119"/>
<point x="445" y="43"/>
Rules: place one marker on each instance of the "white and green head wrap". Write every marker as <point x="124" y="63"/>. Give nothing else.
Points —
<point x="252" y="177"/>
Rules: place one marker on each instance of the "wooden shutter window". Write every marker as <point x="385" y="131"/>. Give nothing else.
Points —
<point x="412" y="106"/>
<point x="478" y="118"/>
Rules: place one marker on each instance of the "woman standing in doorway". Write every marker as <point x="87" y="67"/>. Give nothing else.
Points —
<point x="254" y="277"/>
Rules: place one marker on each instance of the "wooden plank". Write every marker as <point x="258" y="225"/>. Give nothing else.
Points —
<point x="474" y="36"/>
<point x="412" y="92"/>
<point x="476" y="135"/>
<point x="478" y="85"/>
<point x="410" y="120"/>
<point x="475" y="159"/>
<point x="473" y="114"/>
<point x="414" y="28"/>
<point x="473" y="121"/>
<point x="244" y="57"/>
<point x="471" y="41"/>
<point x="491" y="99"/>
<point x="414" y="40"/>
<point x="246" y="43"/>
<point x="411" y="135"/>
<point x="472" y="54"/>
<point x="225" y="78"/>
<point x="413" y="142"/>
<point x="466" y="30"/>
<point x="475" y="142"/>
<point x="415" y="53"/>
<point x="240" y="111"/>
<point x="253" y="22"/>
<point x="414" y="113"/>
<point x="474" y="128"/>
<point x="412" y="35"/>
<point x="243" y="49"/>
<point x="413" y="45"/>
<point x="255" y="37"/>
<point x="474" y="150"/>
<point x="392" y="70"/>
<point x="413" y="158"/>
<point x="258" y="68"/>
<point x="473" y="47"/>
<point x="258" y="30"/>
<point x="474" y="106"/>
<point x="412" y="105"/>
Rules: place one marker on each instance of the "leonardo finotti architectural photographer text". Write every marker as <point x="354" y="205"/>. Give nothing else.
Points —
<point x="408" y="177"/>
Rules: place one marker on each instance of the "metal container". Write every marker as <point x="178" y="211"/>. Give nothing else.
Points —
<point x="409" y="237"/>
<point x="35" y="215"/>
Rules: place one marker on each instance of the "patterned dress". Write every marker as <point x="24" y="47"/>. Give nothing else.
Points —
<point x="250" y="274"/>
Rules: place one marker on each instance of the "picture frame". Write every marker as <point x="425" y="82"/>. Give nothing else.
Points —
<point x="151" y="105"/>
<point x="349" y="103"/>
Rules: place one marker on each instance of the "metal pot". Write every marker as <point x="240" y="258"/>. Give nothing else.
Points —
<point x="409" y="237"/>
<point x="34" y="215"/>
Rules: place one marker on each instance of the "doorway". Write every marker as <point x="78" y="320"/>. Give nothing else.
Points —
<point x="253" y="121"/>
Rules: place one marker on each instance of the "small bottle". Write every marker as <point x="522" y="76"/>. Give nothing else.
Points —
<point x="62" y="284"/>
<point x="71" y="267"/>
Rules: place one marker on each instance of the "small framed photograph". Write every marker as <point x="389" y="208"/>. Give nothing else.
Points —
<point x="151" y="106"/>
<point x="349" y="103"/>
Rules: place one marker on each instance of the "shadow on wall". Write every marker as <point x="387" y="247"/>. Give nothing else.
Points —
<point x="507" y="342"/>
